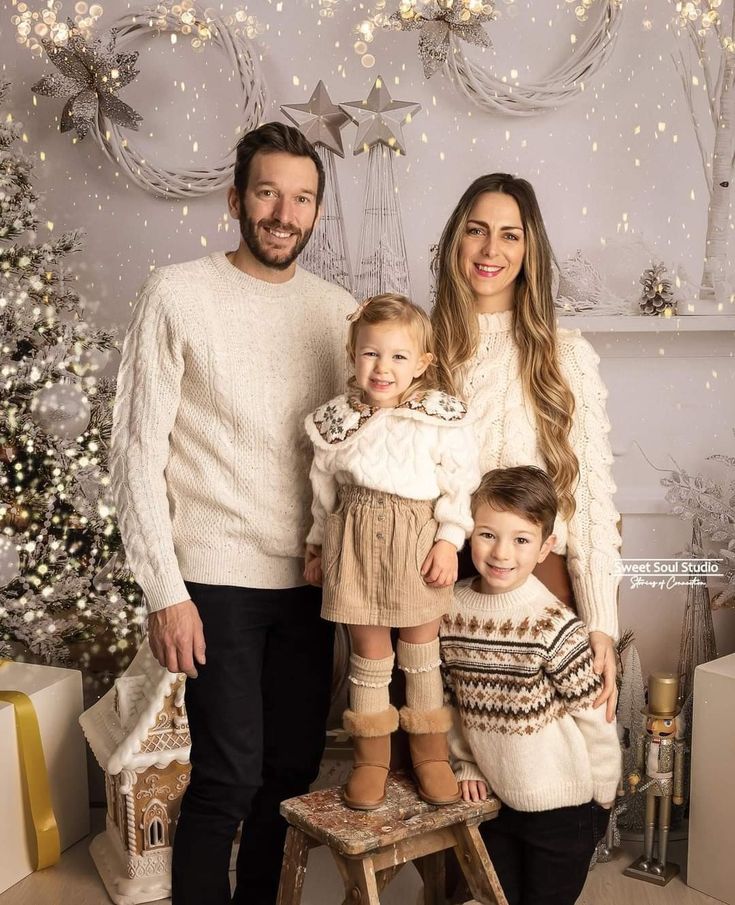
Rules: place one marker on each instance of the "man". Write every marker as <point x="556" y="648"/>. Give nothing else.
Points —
<point x="224" y="358"/>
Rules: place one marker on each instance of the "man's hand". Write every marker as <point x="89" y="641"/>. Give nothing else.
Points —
<point x="313" y="565"/>
<point x="441" y="566"/>
<point x="603" y="648"/>
<point x="473" y="790"/>
<point x="176" y="636"/>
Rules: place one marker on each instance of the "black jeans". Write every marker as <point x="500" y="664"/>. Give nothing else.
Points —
<point x="543" y="857"/>
<point x="257" y="714"/>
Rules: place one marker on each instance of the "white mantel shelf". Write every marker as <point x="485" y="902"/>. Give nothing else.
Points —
<point x="631" y="323"/>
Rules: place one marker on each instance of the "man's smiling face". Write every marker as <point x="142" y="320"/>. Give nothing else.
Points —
<point x="278" y="209"/>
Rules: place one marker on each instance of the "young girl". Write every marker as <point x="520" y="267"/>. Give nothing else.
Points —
<point x="394" y="466"/>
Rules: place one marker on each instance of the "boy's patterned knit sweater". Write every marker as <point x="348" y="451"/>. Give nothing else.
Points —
<point x="518" y="673"/>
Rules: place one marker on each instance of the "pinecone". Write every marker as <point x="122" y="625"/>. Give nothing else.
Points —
<point x="658" y="293"/>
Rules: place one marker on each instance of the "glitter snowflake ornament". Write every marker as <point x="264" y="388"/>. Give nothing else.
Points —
<point x="440" y="22"/>
<point x="92" y="72"/>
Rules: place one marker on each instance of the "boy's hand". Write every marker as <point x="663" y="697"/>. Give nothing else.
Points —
<point x="313" y="565"/>
<point x="473" y="790"/>
<point x="440" y="567"/>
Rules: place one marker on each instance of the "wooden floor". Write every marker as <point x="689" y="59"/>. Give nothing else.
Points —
<point x="74" y="881"/>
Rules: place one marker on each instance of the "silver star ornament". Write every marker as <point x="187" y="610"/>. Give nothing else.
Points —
<point x="380" y="119"/>
<point x="319" y="120"/>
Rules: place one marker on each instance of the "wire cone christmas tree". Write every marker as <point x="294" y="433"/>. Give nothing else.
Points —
<point x="326" y="254"/>
<point x="698" y="643"/>
<point x="63" y="585"/>
<point x="322" y="122"/>
<point x="383" y="263"/>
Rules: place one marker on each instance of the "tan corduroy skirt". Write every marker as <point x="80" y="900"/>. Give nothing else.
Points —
<point x="374" y="547"/>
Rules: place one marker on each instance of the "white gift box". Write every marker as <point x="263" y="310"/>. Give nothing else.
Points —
<point x="711" y="867"/>
<point x="56" y="695"/>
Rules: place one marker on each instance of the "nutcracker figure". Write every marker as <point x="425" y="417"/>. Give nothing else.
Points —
<point x="660" y="764"/>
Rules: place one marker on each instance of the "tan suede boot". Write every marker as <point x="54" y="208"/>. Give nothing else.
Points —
<point x="427" y="739"/>
<point x="365" y="788"/>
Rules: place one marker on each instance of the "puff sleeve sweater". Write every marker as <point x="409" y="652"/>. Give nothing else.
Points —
<point x="506" y="432"/>
<point x="423" y="449"/>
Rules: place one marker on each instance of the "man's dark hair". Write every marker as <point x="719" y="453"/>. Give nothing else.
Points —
<point x="525" y="490"/>
<point x="271" y="137"/>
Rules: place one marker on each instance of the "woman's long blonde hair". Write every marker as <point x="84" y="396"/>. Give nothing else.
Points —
<point x="456" y="330"/>
<point x="391" y="308"/>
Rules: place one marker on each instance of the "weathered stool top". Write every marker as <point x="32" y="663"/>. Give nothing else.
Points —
<point x="324" y="816"/>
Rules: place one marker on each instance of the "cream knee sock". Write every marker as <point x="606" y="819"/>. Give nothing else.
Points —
<point x="420" y="663"/>
<point x="369" y="681"/>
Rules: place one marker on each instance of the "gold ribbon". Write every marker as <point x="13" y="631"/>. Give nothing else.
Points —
<point x="34" y="777"/>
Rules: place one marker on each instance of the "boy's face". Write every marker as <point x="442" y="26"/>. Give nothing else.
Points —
<point x="506" y="548"/>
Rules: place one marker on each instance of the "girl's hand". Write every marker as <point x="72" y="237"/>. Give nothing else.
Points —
<point x="603" y="648"/>
<point x="313" y="565"/>
<point x="473" y="790"/>
<point x="440" y="567"/>
<point x="605" y="804"/>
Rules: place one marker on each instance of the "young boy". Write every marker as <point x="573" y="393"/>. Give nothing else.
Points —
<point x="518" y="673"/>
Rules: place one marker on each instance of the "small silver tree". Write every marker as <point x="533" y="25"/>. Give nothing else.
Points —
<point x="709" y="26"/>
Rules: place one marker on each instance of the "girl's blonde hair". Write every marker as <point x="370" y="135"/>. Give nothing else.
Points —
<point x="456" y="330"/>
<point x="391" y="308"/>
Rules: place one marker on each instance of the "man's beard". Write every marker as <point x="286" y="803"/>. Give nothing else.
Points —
<point x="249" y="233"/>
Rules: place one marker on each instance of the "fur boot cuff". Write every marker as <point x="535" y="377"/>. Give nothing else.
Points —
<point x="425" y="722"/>
<point x="370" y="725"/>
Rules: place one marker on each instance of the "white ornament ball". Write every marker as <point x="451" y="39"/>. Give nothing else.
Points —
<point x="61" y="410"/>
<point x="90" y="361"/>
<point x="9" y="561"/>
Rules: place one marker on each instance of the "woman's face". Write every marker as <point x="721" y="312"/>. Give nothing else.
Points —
<point x="491" y="250"/>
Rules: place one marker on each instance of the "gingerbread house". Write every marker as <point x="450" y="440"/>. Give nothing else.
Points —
<point x="139" y="734"/>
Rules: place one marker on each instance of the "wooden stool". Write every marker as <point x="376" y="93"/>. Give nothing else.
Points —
<point x="370" y="847"/>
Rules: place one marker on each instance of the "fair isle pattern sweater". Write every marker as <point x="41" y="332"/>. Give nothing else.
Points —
<point x="507" y="437"/>
<point x="423" y="449"/>
<point x="518" y="674"/>
<point x="209" y="459"/>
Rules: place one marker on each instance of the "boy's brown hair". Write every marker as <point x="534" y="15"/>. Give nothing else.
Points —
<point x="526" y="490"/>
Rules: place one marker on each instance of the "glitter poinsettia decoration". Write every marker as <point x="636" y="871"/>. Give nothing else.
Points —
<point x="92" y="72"/>
<point x="439" y="21"/>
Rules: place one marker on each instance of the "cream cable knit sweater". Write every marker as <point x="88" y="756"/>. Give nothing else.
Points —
<point x="209" y="458"/>
<point x="518" y="673"/>
<point x="423" y="449"/>
<point x="507" y="437"/>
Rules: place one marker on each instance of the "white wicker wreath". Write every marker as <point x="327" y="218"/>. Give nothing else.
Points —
<point x="493" y="95"/>
<point x="183" y="183"/>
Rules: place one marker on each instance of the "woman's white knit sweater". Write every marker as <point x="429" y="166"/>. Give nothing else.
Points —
<point x="518" y="673"/>
<point x="209" y="459"/>
<point x="423" y="449"/>
<point x="507" y="437"/>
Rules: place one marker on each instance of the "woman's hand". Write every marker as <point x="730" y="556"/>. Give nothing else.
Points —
<point x="473" y="790"/>
<point x="605" y="665"/>
<point x="313" y="565"/>
<point x="441" y="566"/>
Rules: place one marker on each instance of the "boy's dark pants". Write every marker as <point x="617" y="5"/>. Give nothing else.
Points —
<point x="543" y="857"/>
<point x="257" y="714"/>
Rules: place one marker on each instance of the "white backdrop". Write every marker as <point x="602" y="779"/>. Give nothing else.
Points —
<point x="617" y="165"/>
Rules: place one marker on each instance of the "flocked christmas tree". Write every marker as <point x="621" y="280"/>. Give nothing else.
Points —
<point x="64" y="590"/>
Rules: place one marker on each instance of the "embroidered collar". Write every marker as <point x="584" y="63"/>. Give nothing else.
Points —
<point x="343" y="416"/>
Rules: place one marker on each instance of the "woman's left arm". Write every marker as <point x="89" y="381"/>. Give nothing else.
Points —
<point x="593" y="544"/>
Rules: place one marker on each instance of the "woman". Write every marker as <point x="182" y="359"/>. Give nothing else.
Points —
<point x="535" y="391"/>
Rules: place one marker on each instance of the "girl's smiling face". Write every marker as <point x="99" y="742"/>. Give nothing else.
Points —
<point x="387" y="361"/>
<point x="492" y="249"/>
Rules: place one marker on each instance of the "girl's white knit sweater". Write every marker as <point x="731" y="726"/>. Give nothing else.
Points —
<point x="518" y="673"/>
<point x="506" y="430"/>
<point x="423" y="449"/>
<point x="209" y="459"/>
